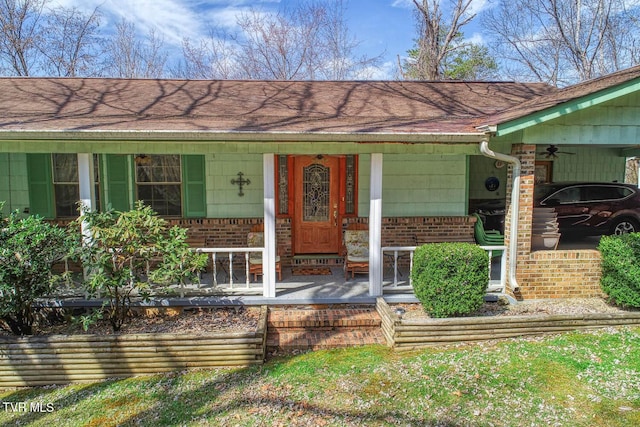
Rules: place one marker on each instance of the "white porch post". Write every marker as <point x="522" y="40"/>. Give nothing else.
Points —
<point x="269" y="256"/>
<point x="87" y="187"/>
<point x="375" y="226"/>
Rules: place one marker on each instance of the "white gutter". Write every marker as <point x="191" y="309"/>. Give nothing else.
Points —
<point x="208" y="136"/>
<point x="515" y="207"/>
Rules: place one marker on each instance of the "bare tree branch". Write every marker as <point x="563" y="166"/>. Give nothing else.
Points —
<point x="308" y="40"/>
<point x="441" y="51"/>
<point x="130" y="57"/>
<point x="564" y="41"/>
<point x="212" y="57"/>
<point x="71" y="45"/>
<point x="20" y="34"/>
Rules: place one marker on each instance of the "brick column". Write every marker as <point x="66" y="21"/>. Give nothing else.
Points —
<point x="527" y="155"/>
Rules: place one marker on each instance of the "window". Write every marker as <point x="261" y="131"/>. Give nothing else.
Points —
<point x="66" y="190"/>
<point x="597" y="193"/>
<point x="159" y="183"/>
<point x="173" y="185"/>
<point x="567" y="195"/>
<point x="350" y="185"/>
<point x="283" y="185"/>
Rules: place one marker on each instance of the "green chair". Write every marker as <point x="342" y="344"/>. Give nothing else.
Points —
<point x="487" y="238"/>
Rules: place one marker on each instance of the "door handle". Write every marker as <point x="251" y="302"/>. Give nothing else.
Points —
<point x="335" y="215"/>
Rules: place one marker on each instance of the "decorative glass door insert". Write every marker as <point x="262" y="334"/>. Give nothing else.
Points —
<point x="316" y="187"/>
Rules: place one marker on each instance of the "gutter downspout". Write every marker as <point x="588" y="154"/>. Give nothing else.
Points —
<point x="515" y="207"/>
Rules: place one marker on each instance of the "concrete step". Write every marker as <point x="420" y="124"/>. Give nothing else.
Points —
<point x="317" y="327"/>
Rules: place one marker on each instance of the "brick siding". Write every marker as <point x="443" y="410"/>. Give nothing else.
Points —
<point x="407" y="231"/>
<point x="546" y="274"/>
<point x="232" y="232"/>
<point x="560" y="274"/>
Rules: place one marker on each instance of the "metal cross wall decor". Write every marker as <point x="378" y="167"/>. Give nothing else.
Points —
<point x="240" y="182"/>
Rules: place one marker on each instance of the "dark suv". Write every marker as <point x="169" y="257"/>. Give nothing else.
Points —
<point x="592" y="208"/>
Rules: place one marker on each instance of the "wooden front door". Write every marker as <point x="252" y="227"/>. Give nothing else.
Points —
<point x="316" y="218"/>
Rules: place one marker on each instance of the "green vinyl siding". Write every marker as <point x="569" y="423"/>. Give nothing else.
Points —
<point x="14" y="182"/>
<point x="117" y="188"/>
<point x="194" y="177"/>
<point x="40" y="185"/>
<point x="587" y="164"/>
<point x="480" y="169"/>
<point x="417" y="185"/>
<point x="614" y="122"/>
<point x="223" y="200"/>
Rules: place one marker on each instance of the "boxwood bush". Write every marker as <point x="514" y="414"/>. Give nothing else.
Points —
<point x="450" y="279"/>
<point x="621" y="268"/>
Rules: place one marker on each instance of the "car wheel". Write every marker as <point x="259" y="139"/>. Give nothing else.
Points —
<point x="625" y="226"/>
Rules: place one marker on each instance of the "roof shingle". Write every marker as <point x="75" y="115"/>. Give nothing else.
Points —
<point x="59" y="104"/>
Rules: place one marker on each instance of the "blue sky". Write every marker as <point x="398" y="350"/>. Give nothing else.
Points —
<point x="383" y="26"/>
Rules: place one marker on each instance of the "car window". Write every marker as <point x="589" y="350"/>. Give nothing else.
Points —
<point x="566" y="195"/>
<point x="595" y="193"/>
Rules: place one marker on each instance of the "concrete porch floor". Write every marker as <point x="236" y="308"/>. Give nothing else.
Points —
<point x="291" y="290"/>
<point x="303" y="289"/>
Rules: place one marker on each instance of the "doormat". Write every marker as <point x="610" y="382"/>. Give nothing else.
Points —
<point x="311" y="271"/>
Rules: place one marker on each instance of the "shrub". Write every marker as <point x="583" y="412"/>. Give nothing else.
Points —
<point x="621" y="268"/>
<point x="29" y="248"/>
<point x="123" y="247"/>
<point x="450" y="279"/>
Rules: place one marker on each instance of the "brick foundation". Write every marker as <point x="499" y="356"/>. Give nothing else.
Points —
<point x="405" y="231"/>
<point x="560" y="274"/>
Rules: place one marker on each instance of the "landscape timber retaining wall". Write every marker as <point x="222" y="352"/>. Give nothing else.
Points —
<point x="407" y="334"/>
<point x="60" y="359"/>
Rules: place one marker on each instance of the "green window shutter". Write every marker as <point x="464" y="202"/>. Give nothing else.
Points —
<point x="40" y="185"/>
<point x="195" y="196"/>
<point x="117" y="182"/>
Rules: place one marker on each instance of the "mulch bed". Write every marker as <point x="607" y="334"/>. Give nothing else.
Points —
<point x="159" y="320"/>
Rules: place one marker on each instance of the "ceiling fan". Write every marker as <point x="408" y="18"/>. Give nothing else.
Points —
<point x="552" y="151"/>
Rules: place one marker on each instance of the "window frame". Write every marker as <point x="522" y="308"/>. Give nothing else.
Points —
<point x="55" y="184"/>
<point x="140" y="162"/>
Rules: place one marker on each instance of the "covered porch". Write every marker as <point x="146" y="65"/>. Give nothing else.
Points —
<point x="414" y="149"/>
<point x="229" y="284"/>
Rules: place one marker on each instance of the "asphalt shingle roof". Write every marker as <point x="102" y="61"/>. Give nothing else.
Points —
<point x="257" y="106"/>
<point x="54" y="104"/>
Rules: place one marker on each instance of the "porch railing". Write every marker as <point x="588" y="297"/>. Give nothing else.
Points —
<point x="221" y="262"/>
<point x="396" y="253"/>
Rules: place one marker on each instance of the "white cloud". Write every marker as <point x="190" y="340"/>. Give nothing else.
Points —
<point x="476" y="38"/>
<point x="385" y="72"/>
<point x="475" y="7"/>
<point x="402" y="3"/>
<point x="174" y="19"/>
<point x="478" y="6"/>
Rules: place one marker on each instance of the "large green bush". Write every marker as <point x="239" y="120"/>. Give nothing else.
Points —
<point x="450" y="279"/>
<point x="29" y="248"/>
<point x="123" y="247"/>
<point x="621" y="268"/>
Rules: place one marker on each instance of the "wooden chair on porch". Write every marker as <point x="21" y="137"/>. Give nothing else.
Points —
<point x="356" y="246"/>
<point x="255" y="239"/>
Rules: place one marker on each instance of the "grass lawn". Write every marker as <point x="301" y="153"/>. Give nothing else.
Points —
<point x="580" y="379"/>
